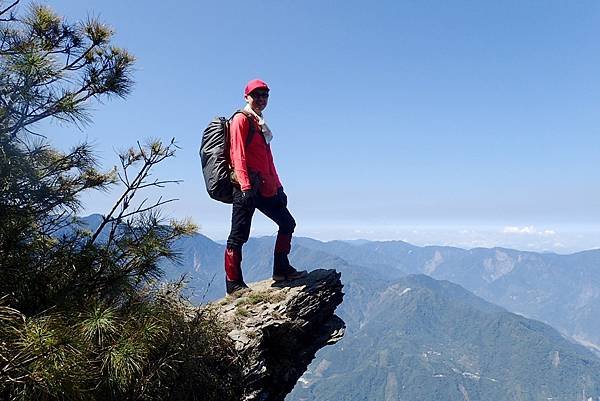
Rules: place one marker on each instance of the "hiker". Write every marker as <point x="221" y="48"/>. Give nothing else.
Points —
<point x="256" y="186"/>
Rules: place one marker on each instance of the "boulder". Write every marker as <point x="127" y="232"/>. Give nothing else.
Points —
<point x="278" y="327"/>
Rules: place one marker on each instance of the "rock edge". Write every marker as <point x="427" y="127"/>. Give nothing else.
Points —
<point x="278" y="327"/>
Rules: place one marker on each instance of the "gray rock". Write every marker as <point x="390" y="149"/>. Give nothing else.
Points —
<point x="278" y="327"/>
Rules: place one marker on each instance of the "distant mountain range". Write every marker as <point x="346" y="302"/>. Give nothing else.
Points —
<point x="424" y="339"/>
<point x="561" y="290"/>
<point x="410" y="337"/>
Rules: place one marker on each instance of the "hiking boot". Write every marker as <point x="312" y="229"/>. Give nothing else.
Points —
<point x="236" y="288"/>
<point x="282" y="270"/>
<point x="290" y="273"/>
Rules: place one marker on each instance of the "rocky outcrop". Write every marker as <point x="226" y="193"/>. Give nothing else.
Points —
<point x="278" y="328"/>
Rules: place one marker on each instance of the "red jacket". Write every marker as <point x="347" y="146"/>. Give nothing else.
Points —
<point x="254" y="158"/>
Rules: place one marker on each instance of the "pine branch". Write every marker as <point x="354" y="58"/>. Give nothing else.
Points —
<point x="5" y="10"/>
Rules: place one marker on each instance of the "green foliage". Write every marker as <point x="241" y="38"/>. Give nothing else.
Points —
<point x="256" y="297"/>
<point x="82" y="316"/>
<point x="50" y="68"/>
<point x="155" y="348"/>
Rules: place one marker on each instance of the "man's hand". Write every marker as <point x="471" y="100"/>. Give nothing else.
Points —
<point x="282" y="196"/>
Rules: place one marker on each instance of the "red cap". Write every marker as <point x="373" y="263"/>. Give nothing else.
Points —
<point x="255" y="84"/>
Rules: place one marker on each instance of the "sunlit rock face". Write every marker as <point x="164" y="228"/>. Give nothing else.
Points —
<point x="278" y="327"/>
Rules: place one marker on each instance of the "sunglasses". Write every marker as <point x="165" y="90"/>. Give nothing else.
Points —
<point x="256" y="95"/>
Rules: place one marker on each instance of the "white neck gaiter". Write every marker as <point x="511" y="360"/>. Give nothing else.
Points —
<point x="261" y="123"/>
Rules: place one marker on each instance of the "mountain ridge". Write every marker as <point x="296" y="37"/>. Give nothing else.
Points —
<point x="446" y="344"/>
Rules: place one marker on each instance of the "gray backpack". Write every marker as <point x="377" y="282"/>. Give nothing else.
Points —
<point x="214" y="155"/>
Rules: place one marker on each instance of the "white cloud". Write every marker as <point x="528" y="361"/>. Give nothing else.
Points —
<point x="528" y="230"/>
<point x="519" y="230"/>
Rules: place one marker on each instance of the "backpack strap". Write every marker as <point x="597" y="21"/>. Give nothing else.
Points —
<point x="252" y="129"/>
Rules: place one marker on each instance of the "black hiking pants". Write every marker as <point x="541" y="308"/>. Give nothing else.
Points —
<point x="241" y="217"/>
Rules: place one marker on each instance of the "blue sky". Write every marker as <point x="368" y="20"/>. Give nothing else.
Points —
<point x="470" y="123"/>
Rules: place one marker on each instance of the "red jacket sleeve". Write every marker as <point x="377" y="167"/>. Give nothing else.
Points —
<point x="238" y="132"/>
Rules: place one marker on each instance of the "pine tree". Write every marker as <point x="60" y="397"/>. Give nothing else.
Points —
<point x="81" y="315"/>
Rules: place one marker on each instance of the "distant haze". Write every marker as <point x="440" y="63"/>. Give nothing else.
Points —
<point x="557" y="238"/>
